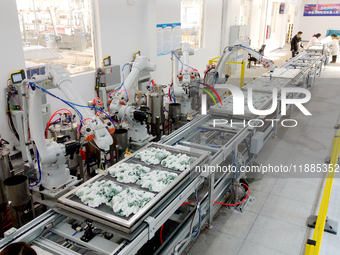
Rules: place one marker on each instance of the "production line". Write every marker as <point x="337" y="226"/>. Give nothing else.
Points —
<point x="73" y="227"/>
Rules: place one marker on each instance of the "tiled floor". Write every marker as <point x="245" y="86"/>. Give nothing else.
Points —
<point x="275" y="223"/>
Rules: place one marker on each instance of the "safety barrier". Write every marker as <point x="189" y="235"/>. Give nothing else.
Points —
<point x="313" y="245"/>
<point x="243" y="67"/>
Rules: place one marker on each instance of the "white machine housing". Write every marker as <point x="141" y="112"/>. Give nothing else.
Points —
<point x="120" y="103"/>
<point x="55" y="172"/>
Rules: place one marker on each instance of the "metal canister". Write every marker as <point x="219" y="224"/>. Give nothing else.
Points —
<point x="121" y="141"/>
<point x="17" y="191"/>
<point x="174" y="111"/>
<point x="155" y="103"/>
<point x="4" y="172"/>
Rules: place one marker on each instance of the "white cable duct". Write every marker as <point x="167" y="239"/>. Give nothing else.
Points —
<point x="25" y="123"/>
<point x="47" y="154"/>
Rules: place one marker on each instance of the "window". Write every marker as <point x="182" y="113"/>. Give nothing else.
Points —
<point x="192" y="22"/>
<point x="57" y="32"/>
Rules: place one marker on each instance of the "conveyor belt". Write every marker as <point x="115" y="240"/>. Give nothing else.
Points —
<point x="105" y="213"/>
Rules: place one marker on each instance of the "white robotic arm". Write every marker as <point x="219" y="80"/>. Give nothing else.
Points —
<point x="185" y="51"/>
<point x="95" y="129"/>
<point x="119" y="103"/>
<point x="267" y="63"/>
<point x="52" y="154"/>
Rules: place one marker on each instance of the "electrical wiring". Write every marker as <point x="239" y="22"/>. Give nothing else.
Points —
<point x="10" y="118"/>
<point x="81" y="124"/>
<point x="173" y="93"/>
<point x="64" y="101"/>
<point x="161" y="231"/>
<point x="38" y="162"/>
<point x="195" y="70"/>
<point x="212" y="146"/>
<point x="13" y="95"/>
<point x="97" y="101"/>
<point x="128" y="93"/>
<point x="72" y="104"/>
<point x="178" y="59"/>
<point x="208" y="94"/>
<point x="53" y="115"/>
<point x="124" y="78"/>
<point x="213" y="90"/>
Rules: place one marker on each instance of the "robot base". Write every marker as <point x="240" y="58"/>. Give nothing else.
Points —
<point x="58" y="191"/>
<point x="138" y="133"/>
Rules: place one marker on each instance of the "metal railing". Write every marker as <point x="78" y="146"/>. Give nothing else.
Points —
<point x="243" y="67"/>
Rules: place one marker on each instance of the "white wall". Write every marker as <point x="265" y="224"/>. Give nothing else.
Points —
<point x="255" y="23"/>
<point x="231" y="17"/>
<point x="310" y="25"/>
<point x="12" y="58"/>
<point x="277" y="38"/>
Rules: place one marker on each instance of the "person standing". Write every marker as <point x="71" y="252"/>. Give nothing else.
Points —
<point x="294" y="44"/>
<point x="335" y="47"/>
<point x="314" y="40"/>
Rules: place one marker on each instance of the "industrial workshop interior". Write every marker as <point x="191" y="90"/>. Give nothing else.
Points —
<point x="198" y="127"/>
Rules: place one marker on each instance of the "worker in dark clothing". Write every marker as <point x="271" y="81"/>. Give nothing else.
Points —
<point x="294" y="44"/>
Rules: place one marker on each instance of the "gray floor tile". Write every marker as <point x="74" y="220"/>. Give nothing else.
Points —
<point x="277" y="235"/>
<point x="250" y="248"/>
<point x="265" y="185"/>
<point x="217" y="243"/>
<point x="297" y="191"/>
<point x="234" y="223"/>
<point x="286" y="210"/>
<point x="268" y="156"/>
<point x="259" y="200"/>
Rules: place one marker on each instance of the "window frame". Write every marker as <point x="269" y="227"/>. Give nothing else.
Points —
<point x="201" y="21"/>
<point x="92" y="28"/>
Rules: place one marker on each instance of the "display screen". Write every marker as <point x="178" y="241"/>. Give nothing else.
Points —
<point x="16" y="78"/>
<point x="106" y="62"/>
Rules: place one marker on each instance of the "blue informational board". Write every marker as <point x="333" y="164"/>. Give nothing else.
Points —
<point x="322" y="10"/>
<point x="168" y="37"/>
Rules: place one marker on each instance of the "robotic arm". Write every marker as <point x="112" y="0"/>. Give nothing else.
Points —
<point x="55" y="172"/>
<point x="267" y="63"/>
<point x="119" y="102"/>
<point x="186" y="74"/>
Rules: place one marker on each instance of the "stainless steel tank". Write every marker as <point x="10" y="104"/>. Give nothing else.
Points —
<point x="4" y="173"/>
<point x="121" y="140"/>
<point x="17" y="191"/>
<point x="155" y="103"/>
<point x="174" y="111"/>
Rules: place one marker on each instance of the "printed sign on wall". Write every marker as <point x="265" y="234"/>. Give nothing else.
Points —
<point x="168" y="37"/>
<point x="322" y="10"/>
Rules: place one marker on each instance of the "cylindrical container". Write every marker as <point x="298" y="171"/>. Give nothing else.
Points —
<point x="121" y="140"/>
<point x="174" y="111"/>
<point x="155" y="103"/>
<point x="17" y="191"/>
<point x="4" y="173"/>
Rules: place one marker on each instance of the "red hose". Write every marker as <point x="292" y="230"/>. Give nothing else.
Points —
<point x="54" y="114"/>
<point x="161" y="232"/>
<point x="80" y="124"/>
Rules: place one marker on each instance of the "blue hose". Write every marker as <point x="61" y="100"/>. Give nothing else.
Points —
<point x="38" y="161"/>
